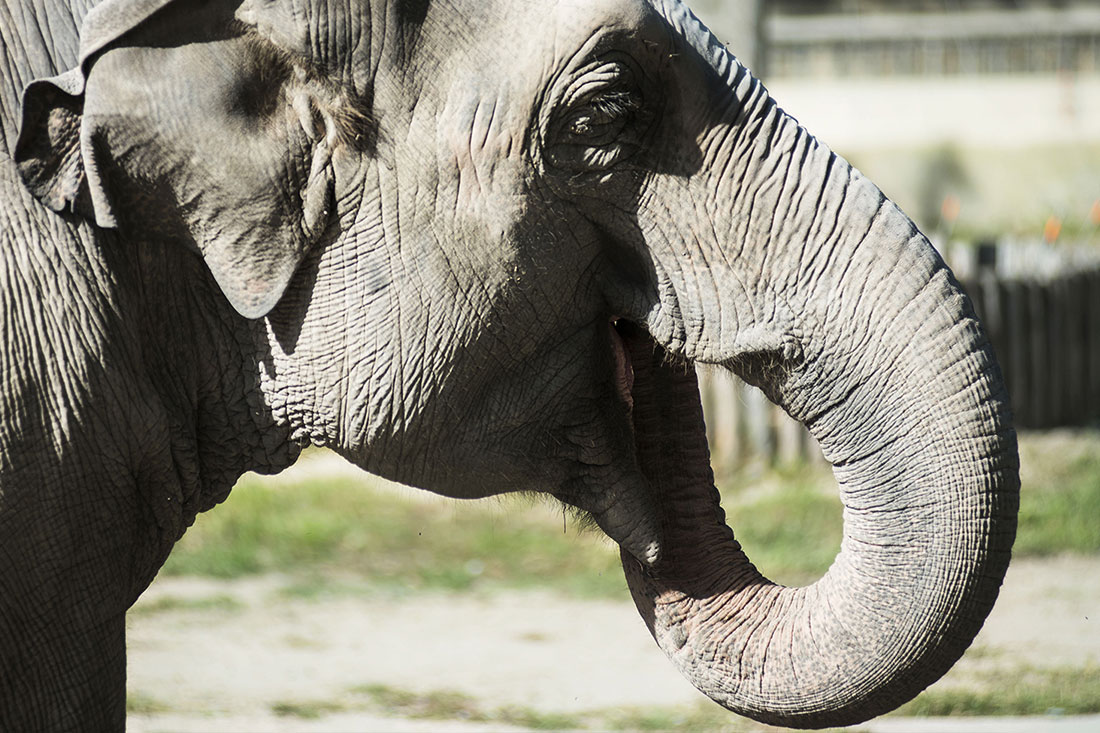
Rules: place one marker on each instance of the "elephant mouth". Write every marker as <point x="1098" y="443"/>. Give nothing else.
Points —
<point x="623" y="330"/>
<point x="630" y="510"/>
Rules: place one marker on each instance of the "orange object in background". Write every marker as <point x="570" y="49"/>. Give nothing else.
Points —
<point x="1094" y="213"/>
<point x="950" y="208"/>
<point x="1052" y="229"/>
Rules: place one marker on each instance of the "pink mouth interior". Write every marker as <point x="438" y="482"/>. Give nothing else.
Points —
<point x="624" y="370"/>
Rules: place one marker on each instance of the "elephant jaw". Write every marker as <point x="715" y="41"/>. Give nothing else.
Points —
<point x="665" y="413"/>
<point x="624" y="368"/>
<point x="669" y="438"/>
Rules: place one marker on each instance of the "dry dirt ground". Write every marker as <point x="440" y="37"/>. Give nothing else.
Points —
<point x="219" y="664"/>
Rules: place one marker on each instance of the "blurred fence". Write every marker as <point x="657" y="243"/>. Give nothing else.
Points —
<point x="744" y="427"/>
<point x="996" y="41"/>
<point x="1047" y="337"/>
<point x="1045" y="330"/>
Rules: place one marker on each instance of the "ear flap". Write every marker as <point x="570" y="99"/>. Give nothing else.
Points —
<point x="47" y="152"/>
<point x="51" y="152"/>
<point x="228" y="199"/>
<point x="254" y="259"/>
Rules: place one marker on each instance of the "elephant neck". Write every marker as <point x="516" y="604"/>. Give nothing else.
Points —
<point x="200" y="365"/>
<point x="130" y="393"/>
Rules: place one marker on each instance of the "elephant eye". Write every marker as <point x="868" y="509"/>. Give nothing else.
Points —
<point x="604" y="116"/>
<point x="599" y="117"/>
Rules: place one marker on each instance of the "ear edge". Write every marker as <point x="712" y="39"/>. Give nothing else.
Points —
<point x="55" y="154"/>
<point x="48" y="150"/>
<point x="254" y="289"/>
<point x="257" y="297"/>
<point x="49" y="156"/>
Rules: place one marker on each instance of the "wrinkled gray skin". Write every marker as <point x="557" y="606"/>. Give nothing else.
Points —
<point x="403" y="229"/>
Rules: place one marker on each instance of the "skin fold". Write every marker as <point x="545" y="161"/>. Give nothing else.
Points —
<point x="474" y="248"/>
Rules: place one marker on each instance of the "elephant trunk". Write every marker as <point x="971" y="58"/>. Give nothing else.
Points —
<point x="819" y="290"/>
<point x="929" y="521"/>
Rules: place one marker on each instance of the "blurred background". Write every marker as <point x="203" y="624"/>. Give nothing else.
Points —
<point x="322" y="599"/>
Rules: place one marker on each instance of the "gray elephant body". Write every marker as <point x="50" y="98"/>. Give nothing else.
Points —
<point x="475" y="261"/>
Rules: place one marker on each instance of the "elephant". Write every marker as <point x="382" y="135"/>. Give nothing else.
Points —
<point x="474" y="248"/>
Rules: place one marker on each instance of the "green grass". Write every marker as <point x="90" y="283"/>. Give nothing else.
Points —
<point x="311" y="710"/>
<point x="1060" y="498"/>
<point x="348" y="526"/>
<point x="138" y="703"/>
<point x="218" y="602"/>
<point x="434" y="705"/>
<point x="538" y="720"/>
<point x="450" y="705"/>
<point x="791" y="530"/>
<point x="704" y="716"/>
<point x="1014" y="691"/>
<point x="788" y="521"/>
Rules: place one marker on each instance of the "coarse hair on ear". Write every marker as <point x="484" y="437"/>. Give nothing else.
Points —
<point x="352" y="122"/>
<point x="253" y="202"/>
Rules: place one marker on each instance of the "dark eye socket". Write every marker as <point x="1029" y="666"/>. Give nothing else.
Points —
<point x="600" y="116"/>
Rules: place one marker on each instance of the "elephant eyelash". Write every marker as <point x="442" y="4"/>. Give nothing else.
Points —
<point x="600" y="118"/>
<point x="616" y="103"/>
<point x="605" y="114"/>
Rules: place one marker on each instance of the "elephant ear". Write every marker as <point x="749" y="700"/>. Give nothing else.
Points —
<point x="49" y="150"/>
<point x="48" y="153"/>
<point x="180" y="122"/>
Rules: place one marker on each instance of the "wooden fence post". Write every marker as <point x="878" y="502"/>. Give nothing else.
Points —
<point x="1016" y="365"/>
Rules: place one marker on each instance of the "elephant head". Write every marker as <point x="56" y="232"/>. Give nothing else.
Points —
<point x="476" y="248"/>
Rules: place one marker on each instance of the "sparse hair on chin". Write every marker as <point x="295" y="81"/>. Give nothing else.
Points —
<point x="577" y="518"/>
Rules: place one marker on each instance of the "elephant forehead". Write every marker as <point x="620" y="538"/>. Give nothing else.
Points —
<point x="478" y="93"/>
<point x="579" y="19"/>
<point x="549" y="35"/>
<point x="493" y="80"/>
<point x="512" y="38"/>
